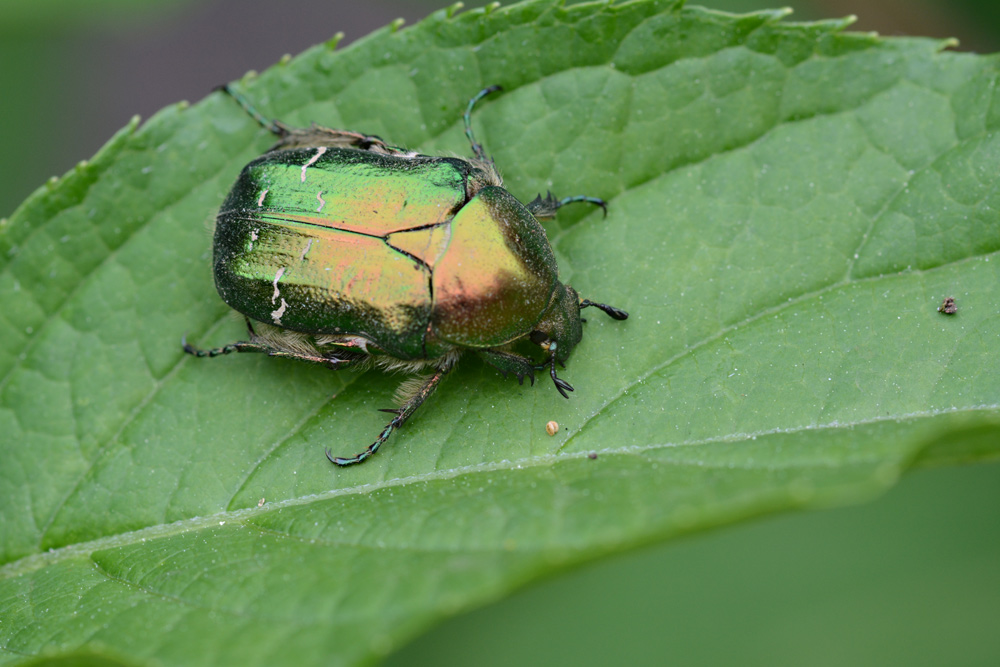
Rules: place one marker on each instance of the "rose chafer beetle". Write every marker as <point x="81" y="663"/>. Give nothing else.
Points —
<point x="350" y="251"/>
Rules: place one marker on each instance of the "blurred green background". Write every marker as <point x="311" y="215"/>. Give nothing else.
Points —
<point x="74" y="71"/>
<point x="912" y="578"/>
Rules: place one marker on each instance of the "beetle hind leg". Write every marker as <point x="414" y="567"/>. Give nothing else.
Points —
<point x="252" y="345"/>
<point x="278" y="344"/>
<point x="414" y="401"/>
<point x="293" y="137"/>
<point x="238" y="346"/>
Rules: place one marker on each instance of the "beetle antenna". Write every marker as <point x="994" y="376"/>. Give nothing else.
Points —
<point x="561" y="384"/>
<point x="273" y="126"/>
<point x="616" y="313"/>
<point x="477" y="148"/>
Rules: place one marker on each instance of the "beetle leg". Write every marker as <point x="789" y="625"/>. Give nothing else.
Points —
<point x="561" y="384"/>
<point x="292" y="137"/>
<point x="238" y="346"/>
<point x="402" y="414"/>
<point x="545" y="208"/>
<point x="477" y="148"/>
<point x="273" y="126"/>
<point x="271" y="346"/>
<point x="317" y="135"/>
<point x="243" y="346"/>
<point x="508" y="362"/>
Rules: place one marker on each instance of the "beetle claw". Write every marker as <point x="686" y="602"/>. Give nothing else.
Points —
<point x="563" y="386"/>
<point x="604" y="206"/>
<point x="291" y="328"/>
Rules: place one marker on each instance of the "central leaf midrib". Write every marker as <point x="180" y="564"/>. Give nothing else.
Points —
<point x="244" y="516"/>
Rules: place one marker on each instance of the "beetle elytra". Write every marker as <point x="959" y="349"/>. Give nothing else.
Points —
<point x="349" y="251"/>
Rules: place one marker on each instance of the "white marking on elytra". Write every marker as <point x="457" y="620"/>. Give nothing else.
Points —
<point x="276" y="314"/>
<point x="253" y="238"/>
<point x="277" y="277"/>
<point x="260" y="200"/>
<point x="322" y="202"/>
<point x="305" y="250"/>
<point x="312" y="161"/>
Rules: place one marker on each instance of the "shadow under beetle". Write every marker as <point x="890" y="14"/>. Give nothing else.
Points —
<point x="350" y="251"/>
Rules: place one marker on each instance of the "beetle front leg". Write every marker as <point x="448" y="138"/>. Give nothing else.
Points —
<point x="402" y="414"/>
<point x="508" y="362"/>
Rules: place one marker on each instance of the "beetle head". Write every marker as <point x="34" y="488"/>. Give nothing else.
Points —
<point x="560" y="324"/>
<point x="560" y="329"/>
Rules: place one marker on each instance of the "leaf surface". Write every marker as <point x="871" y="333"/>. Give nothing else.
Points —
<point x="789" y="204"/>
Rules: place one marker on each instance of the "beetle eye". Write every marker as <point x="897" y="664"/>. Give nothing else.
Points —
<point x="537" y="337"/>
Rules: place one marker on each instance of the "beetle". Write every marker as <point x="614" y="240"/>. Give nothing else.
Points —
<point x="348" y="251"/>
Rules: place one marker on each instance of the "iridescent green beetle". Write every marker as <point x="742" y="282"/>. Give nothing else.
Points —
<point x="350" y="251"/>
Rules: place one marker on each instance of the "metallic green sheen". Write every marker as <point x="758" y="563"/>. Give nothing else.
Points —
<point x="351" y="247"/>
<point x="327" y="240"/>
<point x="498" y="275"/>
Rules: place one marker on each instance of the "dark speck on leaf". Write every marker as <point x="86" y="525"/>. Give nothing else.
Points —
<point x="948" y="306"/>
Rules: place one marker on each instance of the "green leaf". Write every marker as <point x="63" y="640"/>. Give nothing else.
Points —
<point x="789" y="204"/>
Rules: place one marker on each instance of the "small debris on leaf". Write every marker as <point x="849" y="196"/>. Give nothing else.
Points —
<point x="948" y="306"/>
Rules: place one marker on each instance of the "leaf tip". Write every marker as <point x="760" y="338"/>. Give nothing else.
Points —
<point x="334" y="41"/>
<point x="846" y="22"/>
<point x="453" y="9"/>
<point x="949" y="43"/>
<point x="396" y="25"/>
